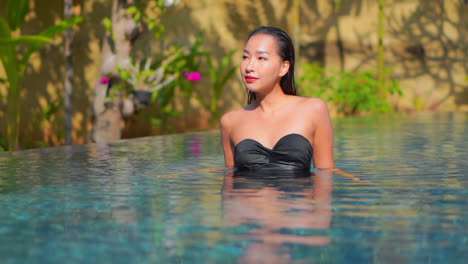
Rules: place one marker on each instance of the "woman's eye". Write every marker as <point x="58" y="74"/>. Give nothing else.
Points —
<point x="244" y="57"/>
<point x="262" y="58"/>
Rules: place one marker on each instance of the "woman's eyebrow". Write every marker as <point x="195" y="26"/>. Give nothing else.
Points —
<point x="263" y="51"/>
<point x="258" y="51"/>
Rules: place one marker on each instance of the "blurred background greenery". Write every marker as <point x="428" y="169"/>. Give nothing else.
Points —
<point x="69" y="67"/>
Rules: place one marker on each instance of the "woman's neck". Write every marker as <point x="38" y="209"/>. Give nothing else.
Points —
<point x="272" y="101"/>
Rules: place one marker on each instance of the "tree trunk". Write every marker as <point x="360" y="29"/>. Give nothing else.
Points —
<point x="13" y="113"/>
<point x="68" y="76"/>
<point x="380" y="47"/>
<point x="296" y="22"/>
<point x="339" y="39"/>
<point x="115" y="50"/>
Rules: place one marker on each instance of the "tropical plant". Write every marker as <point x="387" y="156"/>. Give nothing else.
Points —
<point x="143" y="75"/>
<point x="187" y="61"/>
<point x="15" y="60"/>
<point x="165" y="74"/>
<point x="220" y="73"/>
<point x="362" y="93"/>
<point x="127" y="23"/>
<point x="3" y="142"/>
<point x="350" y="92"/>
<point x="184" y="67"/>
<point x="312" y="80"/>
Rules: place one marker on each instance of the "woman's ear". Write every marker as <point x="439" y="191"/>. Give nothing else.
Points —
<point x="284" y="68"/>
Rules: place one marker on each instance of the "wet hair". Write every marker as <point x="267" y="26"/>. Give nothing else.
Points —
<point x="286" y="52"/>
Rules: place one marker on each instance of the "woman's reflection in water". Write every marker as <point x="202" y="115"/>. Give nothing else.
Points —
<point x="274" y="204"/>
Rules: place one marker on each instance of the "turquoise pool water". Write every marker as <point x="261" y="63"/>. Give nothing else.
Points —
<point x="133" y="202"/>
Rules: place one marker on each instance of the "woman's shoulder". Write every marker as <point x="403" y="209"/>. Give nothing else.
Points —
<point x="230" y="117"/>
<point x="312" y="104"/>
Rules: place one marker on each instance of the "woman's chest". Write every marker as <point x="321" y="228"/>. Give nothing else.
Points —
<point x="268" y="130"/>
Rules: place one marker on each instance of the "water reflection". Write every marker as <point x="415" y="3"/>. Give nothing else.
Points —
<point x="280" y="211"/>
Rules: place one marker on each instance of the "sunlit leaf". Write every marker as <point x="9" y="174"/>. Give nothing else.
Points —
<point x="132" y="10"/>
<point x="8" y="55"/>
<point x="161" y="3"/>
<point x="31" y="40"/>
<point x="62" y="26"/>
<point x="49" y="33"/>
<point x="5" y="31"/>
<point x="227" y="77"/>
<point x="17" y="10"/>
<point x="52" y="109"/>
<point x="227" y="59"/>
<point x="107" y="24"/>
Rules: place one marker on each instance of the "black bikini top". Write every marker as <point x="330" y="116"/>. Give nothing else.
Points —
<point x="292" y="153"/>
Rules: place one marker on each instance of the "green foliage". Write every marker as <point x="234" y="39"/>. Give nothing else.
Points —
<point x="17" y="10"/>
<point x="133" y="10"/>
<point x="220" y="74"/>
<point x="164" y="76"/>
<point x="3" y="143"/>
<point x="49" y="33"/>
<point x="186" y="61"/>
<point x="313" y="82"/>
<point x="338" y="5"/>
<point x="161" y="122"/>
<point x="30" y="40"/>
<point x="360" y="93"/>
<point x="143" y="75"/>
<point x="61" y="27"/>
<point x="52" y="109"/>
<point x="418" y="103"/>
<point x="108" y="26"/>
<point x="8" y="53"/>
<point x="4" y="82"/>
<point x="350" y="92"/>
<point x="14" y="62"/>
<point x="138" y="11"/>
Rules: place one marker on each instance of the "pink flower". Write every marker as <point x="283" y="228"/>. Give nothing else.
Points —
<point x="196" y="149"/>
<point x="363" y="81"/>
<point x="193" y="76"/>
<point x="105" y="80"/>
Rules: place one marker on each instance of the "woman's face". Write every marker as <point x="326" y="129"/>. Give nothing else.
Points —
<point x="262" y="67"/>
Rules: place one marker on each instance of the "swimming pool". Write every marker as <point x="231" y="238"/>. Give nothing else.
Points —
<point x="131" y="202"/>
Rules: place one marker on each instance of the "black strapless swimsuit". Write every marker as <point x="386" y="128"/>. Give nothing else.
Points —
<point x="292" y="153"/>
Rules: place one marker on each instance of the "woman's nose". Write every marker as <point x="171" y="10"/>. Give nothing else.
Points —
<point x="250" y="66"/>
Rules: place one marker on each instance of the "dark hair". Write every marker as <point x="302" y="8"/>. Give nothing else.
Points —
<point x="286" y="52"/>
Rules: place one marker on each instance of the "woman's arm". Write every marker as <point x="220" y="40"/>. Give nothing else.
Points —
<point x="323" y="136"/>
<point x="173" y="175"/>
<point x="226" y="140"/>
<point x="323" y="142"/>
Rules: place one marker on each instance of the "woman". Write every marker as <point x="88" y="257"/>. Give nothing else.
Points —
<point x="277" y="130"/>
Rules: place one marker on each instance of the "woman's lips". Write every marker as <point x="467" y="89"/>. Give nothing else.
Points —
<point x="250" y="79"/>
